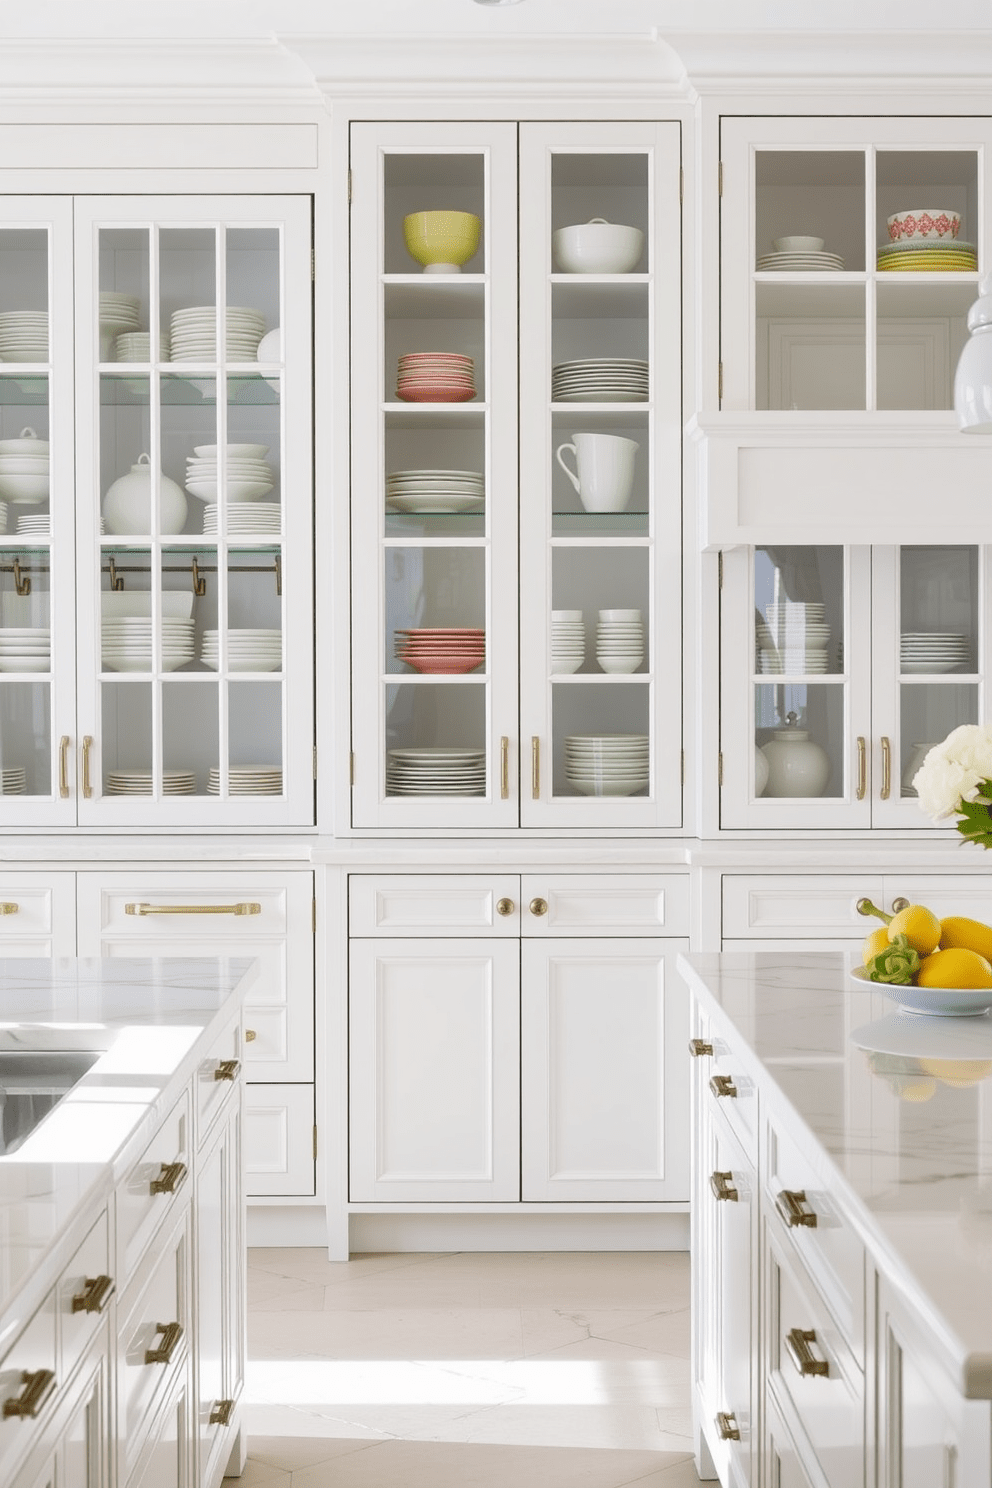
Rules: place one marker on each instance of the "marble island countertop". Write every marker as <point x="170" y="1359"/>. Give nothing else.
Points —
<point x="895" y="1108"/>
<point x="147" y="1021"/>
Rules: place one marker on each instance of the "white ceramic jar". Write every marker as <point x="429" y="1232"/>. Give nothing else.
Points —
<point x="127" y="506"/>
<point x="796" y="765"/>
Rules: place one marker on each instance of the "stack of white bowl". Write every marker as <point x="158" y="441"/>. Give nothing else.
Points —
<point x="800" y="636"/>
<point x="127" y="643"/>
<point x="135" y="346"/>
<point x="24" y="468"/>
<point x="118" y="313"/>
<point x="194" y="333"/>
<point x="24" y="336"/>
<point x="25" y="648"/>
<point x="244" y="518"/>
<point x="247" y="780"/>
<point x="248" y="476"/>
<point x="247" y="650"/>
<point x="620" y="640"/>
<point x="607" y="764"/>
<point x="568" y="640"/>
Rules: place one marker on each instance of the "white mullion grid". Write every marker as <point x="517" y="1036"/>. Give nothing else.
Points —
<point x="871" y="283"/>
<point x="380" y="518"/>
<point x="284" y="670"/>
<point x="156" y="554"/>
<point x="223" y="678"/>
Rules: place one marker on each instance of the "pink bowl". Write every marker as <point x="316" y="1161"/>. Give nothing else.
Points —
<point x="924" y="224"/>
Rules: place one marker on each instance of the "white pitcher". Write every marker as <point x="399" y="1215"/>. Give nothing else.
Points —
<point x="604" y="472"/>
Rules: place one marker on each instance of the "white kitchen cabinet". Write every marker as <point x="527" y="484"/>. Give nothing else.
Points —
<point x="438" y="738"/>
<point x="844" y="665"/>
<point x="822" y="906"/>
<point x="73" y="1448"/>
<point x="149" y="646"/>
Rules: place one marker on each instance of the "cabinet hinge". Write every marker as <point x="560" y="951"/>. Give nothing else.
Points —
<point x="349" y="183"/>
<point x="719" y="569"/>
<point x="719" y="380"/>
<point x="315" y="762"/>
<point x="719" y="770"/>
<point x="315" y="1144"/>
<point x="681" y="185"/>
<point x="351" y="767"/>
<point x="313" y="916"/>
<point x="719" y="179"/>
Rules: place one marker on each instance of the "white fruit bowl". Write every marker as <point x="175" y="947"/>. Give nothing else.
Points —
<point x="597" y="247"/>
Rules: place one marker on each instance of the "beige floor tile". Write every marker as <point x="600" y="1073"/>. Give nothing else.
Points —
<point x="599" y="1428"/>
<point x="310" y="1263"/>
<point x="550" y="1328"/>
<point x="456" y="1465"/>
<point x="283" y="1294"/>
<point x="679" y="1475"/>
<point x="290" y="1453"/>
<point x="414" y="1333"/>
<point x="261" y="1475"/>
<point x="271" y="1421"/>
<point x="664" y="1333"/>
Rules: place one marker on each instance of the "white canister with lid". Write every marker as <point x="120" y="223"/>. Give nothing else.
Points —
<point x="796" y="765"/>
<point x="127" y="506"/>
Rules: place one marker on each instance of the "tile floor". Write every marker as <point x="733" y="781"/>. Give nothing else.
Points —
<point x="462" y="1370"/>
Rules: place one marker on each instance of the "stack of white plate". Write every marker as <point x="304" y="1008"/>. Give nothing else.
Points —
<point x="247" y="780"/>
<point x="12" y="781"/>
<point x="244" y="518"/>
<point x="248" y="475"/>
<point x="24" y="336"/>
<point x="933" y="651"/>
<point x="796" y="640"/>
<point x="25" y="468"/>
<point x="25" y="648"/>
<point x="247" y="650"/>
<point x="34" y="526"/>
<point x="435" y="377"/>
<point x="194" y="333"/>
<point x="620" y="640"/>
<point x="435" y="491"/>
<point x="127" y="643"/>
<point x="607" y="764"/>
<point x="600" y="380"/>
<point x="810" y="262"/>
<point x="119" y="313"/>
<point x="568" y="640"/>
<point x="135" y="346"/>
<point x="446" y="651"/>
<point x="436" y="771"/>
<point x="3" y="516"/>
<point x="138" y="782"/>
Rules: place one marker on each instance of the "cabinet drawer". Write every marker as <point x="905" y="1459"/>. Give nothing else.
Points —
<point x="39" y="914"/>
<point x="199" y="906"/>
<point x="84" y="1292"/>
<point x="31" y="1353"/>
<point x="217" y="1078"/>
<point x="600" y="904"/>
<point x="828" y="1406"/>
<point x="729" y="1090"/>
<point x="799" y="906"/>
<point x="828" y="1248"/>
<point x="433" y="904"/>
<point x="279" y="1141"/>
<point x="141" y="1208"/>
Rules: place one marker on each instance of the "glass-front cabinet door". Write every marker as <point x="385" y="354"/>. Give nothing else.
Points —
<point x="195" y="634"/>
<point x="850" y="251"/>
<point x="841" y="667"/>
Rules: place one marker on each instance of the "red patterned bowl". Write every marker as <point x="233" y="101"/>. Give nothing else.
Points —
<point x="924" y="225"/>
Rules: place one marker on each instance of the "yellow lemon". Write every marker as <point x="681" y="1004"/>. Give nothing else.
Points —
<point x="956" y="967"/>
<point x="971" y="934"/>
<point x="958" y="1072"/>
<point x="917" y="1090"/>
<point x="920" y="926"/>
<point x="876" y="941"/>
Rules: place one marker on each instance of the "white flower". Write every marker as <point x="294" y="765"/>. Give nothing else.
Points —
<point x="942" y="783"/>
<point x="970" y="746"/>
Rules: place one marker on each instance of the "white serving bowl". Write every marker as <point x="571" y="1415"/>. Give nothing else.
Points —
<point x="924" y="225"/>
<point x="207" y="490"/>
<point x="597" y="247"/>
<point x="27" y="488"/>
<point x="800" y="244"/>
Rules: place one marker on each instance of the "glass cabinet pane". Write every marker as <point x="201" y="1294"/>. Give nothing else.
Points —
<point x="939" y="644"/>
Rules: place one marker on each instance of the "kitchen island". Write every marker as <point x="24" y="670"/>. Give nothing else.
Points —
<point x="842" y="1229"/>
<point x="121" y="1220"/>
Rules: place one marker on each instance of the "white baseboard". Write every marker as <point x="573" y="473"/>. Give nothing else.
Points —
<point x="441" y="1232"/>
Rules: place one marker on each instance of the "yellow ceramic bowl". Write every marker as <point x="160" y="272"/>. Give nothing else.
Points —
<point x="441" y="241"/>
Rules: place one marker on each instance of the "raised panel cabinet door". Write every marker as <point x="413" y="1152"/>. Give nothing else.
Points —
<point x="731" y="1189"/>
<point x="220" y="1279"/>
<point x="434" y="1082"/>
<point x="166" y="1461"/>
<point x="605" y="1090"/>
<point x="280" y="1141"/>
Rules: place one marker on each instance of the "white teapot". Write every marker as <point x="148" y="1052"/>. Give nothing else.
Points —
<point x="127" y="506"/>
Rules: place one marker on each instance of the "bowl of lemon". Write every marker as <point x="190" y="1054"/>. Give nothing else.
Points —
<point x="937" y="967"/>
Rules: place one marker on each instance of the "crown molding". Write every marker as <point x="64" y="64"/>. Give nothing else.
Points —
<point x="838" y="61"/>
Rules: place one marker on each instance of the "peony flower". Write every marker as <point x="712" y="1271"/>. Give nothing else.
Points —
<point x="970" y="746"/>
<point x="942" y="784"/>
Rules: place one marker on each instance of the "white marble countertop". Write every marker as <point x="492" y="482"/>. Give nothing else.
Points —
<point x="151" y="1018"/>
<point x="854" y="1083"/>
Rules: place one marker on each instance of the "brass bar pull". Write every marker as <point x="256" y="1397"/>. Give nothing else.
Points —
<point x="862" y="768"/>
<point x="169" y="1178"/>
<point x="886" y="768"/>
<point x="538" y="907"/>
<point x="37" y="1389"/>
<point x="8" y="907"/>
<point x="64" y="766"/>
<point x="87" y="746"/>
<point x="504" y="768"/>
<point x="244" y="908"/>
<point x="799" y="1342"/>
<point x="794" y="1208"/>
<point x="699" y="1047"/>
<point x="726" y="1426"/>
<point x="722" y="1186"/>
<point x="535" y="768"/>
<point x="221" y="1413"/>
<point x="171" y="1335"/>
<point x="96" y="1293"/>
<point x="504" y="906"/>
<point x="227" y="1069"/>
<point x="723" y="1085"/>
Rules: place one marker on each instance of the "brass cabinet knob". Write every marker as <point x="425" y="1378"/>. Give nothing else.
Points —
<point x="793" y="1206"/>
<point x="699" y="1047"/>
<point x="898" y="904"/>
<point x="250" y="1035"/>
<point x="505" y="906"/>
<point x="723" y="1188"/>
<point x="727" y="1428"/>
<point x="723" y="1085"/>
<point x="539" y="906"/>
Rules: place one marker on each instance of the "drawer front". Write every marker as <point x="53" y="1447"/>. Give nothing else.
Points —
<point x="84" y="1292"/>
<point x="434" y="904"/>
<point x="600" y="904"/>
<point x="156" y="1300"/>
<point x="142" y="1208"/>
<point x="798" y="906"/>
<point x="729" y="1090"/>
<point x="829" y="1406"/>
<point x="828" y="1248"/>
<point x="199" y="906"/>
<point x="218" y="1077"/>
<point x="279" y="1141"/>
<point x="31" y="1352"/>
<point x="38" y="914"/>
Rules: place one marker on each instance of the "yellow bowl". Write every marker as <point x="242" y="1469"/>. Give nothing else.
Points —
<point x="441" y="241"/>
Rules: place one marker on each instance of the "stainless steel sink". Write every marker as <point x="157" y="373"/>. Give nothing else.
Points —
<point x="32" y="1082"/>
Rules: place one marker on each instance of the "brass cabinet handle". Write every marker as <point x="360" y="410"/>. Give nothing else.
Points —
<point x="250" y="1035"/>
<point x="535" y="768"/>
<point x="171" y="1335"/>
<point x="726" y="1426"/>
<point x="699" y="1047"/>
<point x="504" y="768"/>
<point x="64" y="766"/>
<point x="87" y="746"/>
<point x="505" y="906"/>
<point x="96" y="1293"/>
<point x="538" y="906"/>
<point x="244" y="908"/>
<point x="799" y="1342"/>
<point x="886" y="768"/>
<point x="862" y="768"/>
<point x="169" y="1178"/>
<point x="9" y="907"/>
<point x="227" y="1069"/>
<point x="220" y="1415"/>
<point x="723" y="1085"/>
<point x="794" y="1208"/>
<point x="898" y="904"/>
<point x="36" y="1390"/>
<point x="723" y="1188"/>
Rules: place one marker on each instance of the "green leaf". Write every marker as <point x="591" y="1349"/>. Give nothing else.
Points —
<point x="975" y="824"/>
